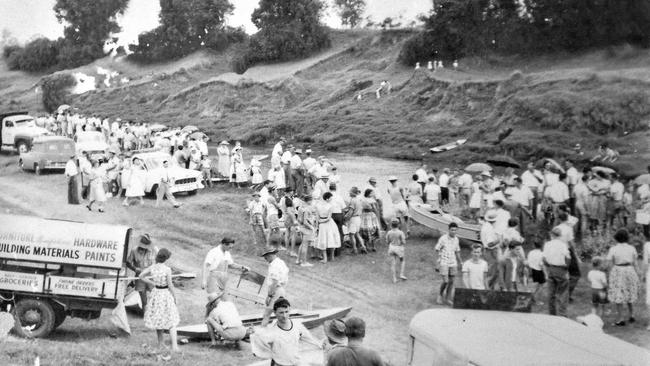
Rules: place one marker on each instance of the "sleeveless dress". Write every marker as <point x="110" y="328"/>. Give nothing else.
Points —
<point x="135" y="187"/>
<point x="161" y="311"/>
<point x="328" y="232"/>
<point x="96" y="187"/>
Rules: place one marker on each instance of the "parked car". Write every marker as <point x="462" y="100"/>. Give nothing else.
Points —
<point x="18" y="129"/>
<point x="47" y="153"/>
<point x="92" y="142"/>
<point x="185" y="180"/>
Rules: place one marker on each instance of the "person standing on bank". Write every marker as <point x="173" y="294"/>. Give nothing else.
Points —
<point x="623" y="276"/>
<point x="139" y="258"/>
<point x="97" y="194"/>
<point x="278" y="276"/>
<point x="161" y="313"/>
<point x="448" y="250"/>
<point x="72" y="172"/>
<point x="164" y="186"/>
<point x="216" y="265"/>
<point x="557" y="259"/>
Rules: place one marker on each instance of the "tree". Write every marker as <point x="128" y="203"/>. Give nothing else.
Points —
<point x="89" y="23"/>
<point x="350" y="11"/>
<point x="288" y="29"/>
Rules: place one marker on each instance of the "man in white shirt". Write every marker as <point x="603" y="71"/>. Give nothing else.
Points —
<point x="558" y="193"/>
<point x="224" y="319"/>
<point x="277" y="278"/>
<point x="276" y="154"/>
<point x="465" y="184"/>
<point x="164" y="186"/>
<point x="285" y="160"/>
<point x="533" y="179"/>
<point x="520" y="193"/>
<point x="572" y="179"/>
<point x="216" y="265"/>
<point x="334" y="176"/>
<point x="615" y="204"/>
<point x="421" y="172"/>
<point x="448" y="250"/>
<point x="443" y="182"/>
<point x="72" y="172"/>
<point x="297" y="173"/>
<point x="557" y="259"/>
<point x="502" y="217"/>
<point x="475" y="270"/>
<point x="308" y="164"/>
<point x="276" y="175"/>
<point x="492" y="244"/>
<point x="432" y="193"/>
<point x="321" y="186"/>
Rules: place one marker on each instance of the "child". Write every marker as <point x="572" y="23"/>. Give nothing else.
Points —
<point x="474" y="270"/>
<point x="396" y="240"/>
<point x="598" y="280"/>
<point x="535" y="264"/>
<point x="256" y="174"/>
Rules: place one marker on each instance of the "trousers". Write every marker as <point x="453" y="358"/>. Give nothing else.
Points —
<point x="558" y="290"/>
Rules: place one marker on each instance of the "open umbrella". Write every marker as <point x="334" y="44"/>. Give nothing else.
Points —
<point x="603" y="169"/>
<point x="158" y="127"/>
<point x="504" y="161"/>
<point x="477" y="168"/>
<point x="555" y="166"/>
<point x="190" y="129"/>
<point x="642" y="179"/>
<point x="62" y="108"/>
<point x="197" y="135"/>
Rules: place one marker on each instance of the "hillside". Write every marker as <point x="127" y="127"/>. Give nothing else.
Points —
<point x="551" y="103"/>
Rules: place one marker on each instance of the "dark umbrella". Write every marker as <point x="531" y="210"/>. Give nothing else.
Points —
<point x="504" y="161"/>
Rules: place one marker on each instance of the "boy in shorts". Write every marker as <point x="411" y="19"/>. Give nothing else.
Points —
<point x="475" y="270"/>
<point x="448" y="251"/>
<point x="396" y="240"/>
<point x="598" y="280"/>
<point x="536" y="265"/>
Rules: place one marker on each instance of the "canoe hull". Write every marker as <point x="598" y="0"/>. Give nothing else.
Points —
<point x="422" y="215"/>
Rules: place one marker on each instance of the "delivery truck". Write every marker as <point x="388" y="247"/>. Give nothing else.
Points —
<point x="51" y="269"/>
<point x="17" y="130"/>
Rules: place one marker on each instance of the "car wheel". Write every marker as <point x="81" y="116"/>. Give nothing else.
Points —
<point x="34" y="318"/>
<point x="192" y="193"/>
<point x="22" y="147"/>
<point x="37" y="169"/>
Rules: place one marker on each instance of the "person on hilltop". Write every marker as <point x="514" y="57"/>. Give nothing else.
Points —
<point x="161" y="313"/>
<point x="216" y="265"/>
<point x="277" y="277"/>
<point x="139" y="258"/>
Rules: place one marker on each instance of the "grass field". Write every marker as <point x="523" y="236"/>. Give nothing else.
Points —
<point x="360" y="281"/>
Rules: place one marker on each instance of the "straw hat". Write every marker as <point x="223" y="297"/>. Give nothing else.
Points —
<point x="335" y="330"/>
<point x="224" y="142"/>
<point x="145" y="241"/>
<point x="392" y="178"/>
<point x="269" y="250"/>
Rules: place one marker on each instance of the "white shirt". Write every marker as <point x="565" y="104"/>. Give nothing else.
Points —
<point x="277" y="150"/>
<point x="286" y="157"/>
<point x="488" y="234"/>
<point x="465" y="181"/>
<point x="551" y="178"/>
<point x="501" y="224"/>
<point x="308" y="163"/>
<point x="226" y="314"/>
<point x="572" y="175"/>
<point x="443" y="180"/>
<point x="432" y="191"/>
<point x="597" y="279"/>
<point x="277" y="177"/>
<point x="521" y="195"/>
<point x="71" y="169"/>
<point x="295" y="162"/>
<point x="535" y="259"/>
<point x="531" y="179"/>
<point x="337" y="203"/>
<point x="335" y="178"/>
<point x="616" y="191"/>
<point x="558" y="192"/>
<point x="202" y="146"/>
<point x="556" y="252"/>
<point x="476" y="273"/>
<point x="215" y="259"/>
<point x="422" y="175"/>
<point x="278" y="271"/>
<point x="567" y="232"/>
<point x="284" y="345"/>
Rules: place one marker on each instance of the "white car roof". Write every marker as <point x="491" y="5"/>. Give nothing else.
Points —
<point x="19" y="117"/>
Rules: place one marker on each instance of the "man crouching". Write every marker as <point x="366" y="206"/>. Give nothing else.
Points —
<point x="223" y="320"/>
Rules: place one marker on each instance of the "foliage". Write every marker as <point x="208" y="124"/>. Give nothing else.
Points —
<point x="457" y="28"/>
<point x="186" y="26"/>
<point x="55" y="90"/>
<point x="350" y="11"/>
<point x="287" y="30"/>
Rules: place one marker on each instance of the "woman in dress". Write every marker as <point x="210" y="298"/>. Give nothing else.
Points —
<point x="328" y="232"/>
<point x="135" y="187"/>
<point x="161" y="312"/>
<point x="223" y="164"/>
<point x="97" y="193"/>
<point x="369" y="229"/>
<point x="241" y="176"/>
<point x="623" y="278"/>
<point x="256" y="174"/>
<point x="125" y="175"/>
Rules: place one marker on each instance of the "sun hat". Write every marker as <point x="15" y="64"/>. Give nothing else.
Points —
<point x="269" y="250"/>
<point x="392" y="178"/>
<point x="224" y="142"/>
<point x="308" y="151"/>
<point x="355" y="190"/>
<point x="372" y="179"/>
<point x="486" y="174"/>
<point x="335" y="330"/>
<point x="145" y="241"/>
<point x="298" y="151"/>
<point x="324" y="176"/>
<point x="491" y="216"/>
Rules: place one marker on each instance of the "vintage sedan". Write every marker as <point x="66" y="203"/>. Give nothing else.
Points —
<point x="47" y="153"/>
<point x="184" y="180"/>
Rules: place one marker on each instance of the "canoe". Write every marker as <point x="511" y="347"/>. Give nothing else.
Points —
<point x="310" y="319"/>
<point x="432" y="218"/>
<point x="447" y="147"/>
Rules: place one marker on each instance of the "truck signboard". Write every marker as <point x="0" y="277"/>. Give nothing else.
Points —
<point x="79" y="244"/>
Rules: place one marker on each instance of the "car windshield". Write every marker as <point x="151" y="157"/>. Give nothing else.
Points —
<point x="29" y="122"/>
<point x="91" y="137"/>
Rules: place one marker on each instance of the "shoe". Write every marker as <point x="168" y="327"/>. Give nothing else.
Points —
<point x="323" y="261"/>
<point x="306" y="264"/>
<point x="100" y="210"/>
<point x="620" y="323"/>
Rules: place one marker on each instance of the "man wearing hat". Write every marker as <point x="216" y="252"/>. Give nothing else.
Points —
<point x="285" y="160"/>
<point x="308" y="164"/>
<point x="72" y="172"/>
<point x="216" y="265"/>
<point x="139" y="258"/>
<point x="396" y="194"/>
<point x="354" y="210"/>
<point x="297" y="173"/>
<point x="224" y="320"/>
<point x="557" y="257"/>
<point x="257" y="214"/>
<point x="321" y="186"/>
<point x="112" y="171"/>
<point x="492" y="244"/>
<point x="355" y="330"/>
<point x="335" y="336"/>
<point x="277" y="278"/>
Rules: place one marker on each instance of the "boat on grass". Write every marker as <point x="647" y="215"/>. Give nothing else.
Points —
<point x="436" y="219"/>
<point x="310" y="319"/>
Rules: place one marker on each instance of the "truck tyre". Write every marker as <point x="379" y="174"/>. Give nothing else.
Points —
<point x="22" y="146"/>
<point x="34" y="318"/>
<point x="59" y="316"/>
<point x="37" y="169"/>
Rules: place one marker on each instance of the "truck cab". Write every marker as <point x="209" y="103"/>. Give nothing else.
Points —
<point x="17" y="130"/>
<point x="51" y="269"/>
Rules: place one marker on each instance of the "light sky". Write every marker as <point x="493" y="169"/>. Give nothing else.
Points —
<point x="26" y="19"/>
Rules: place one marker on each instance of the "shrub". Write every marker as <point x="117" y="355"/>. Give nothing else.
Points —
<point x="56" y="90"/>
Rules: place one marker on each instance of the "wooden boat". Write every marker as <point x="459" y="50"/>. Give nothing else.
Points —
<point x="310" y="319"/>
<point x="433" y="218"/>
<point x="447" y="147"/>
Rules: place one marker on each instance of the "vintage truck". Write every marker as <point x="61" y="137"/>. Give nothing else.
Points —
<point x="51" y="269"/>
<point x="17" y="130"/>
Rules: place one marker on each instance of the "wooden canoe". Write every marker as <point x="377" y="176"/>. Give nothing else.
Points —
<point x="447" y="147"/>
<point x="432" y="218"/>
<point x="310" y="319"/>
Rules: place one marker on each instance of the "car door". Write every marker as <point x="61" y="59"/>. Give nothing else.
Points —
<point x="7" y="132"/>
